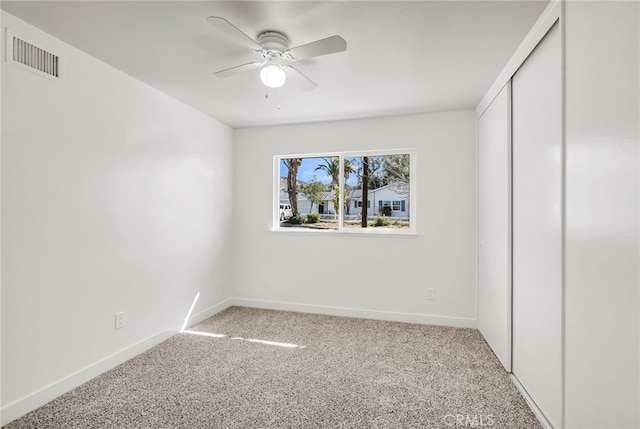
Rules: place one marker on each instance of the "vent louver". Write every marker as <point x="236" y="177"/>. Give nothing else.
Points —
<point x="35" y="58"/>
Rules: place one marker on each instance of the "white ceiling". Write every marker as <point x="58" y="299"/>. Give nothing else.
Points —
<point x="402" y="56"/>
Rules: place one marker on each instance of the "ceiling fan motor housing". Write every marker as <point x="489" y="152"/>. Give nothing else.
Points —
<point x="273" y="41"/>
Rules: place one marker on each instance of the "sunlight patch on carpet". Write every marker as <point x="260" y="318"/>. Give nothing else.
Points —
<point x="250" y="340"/>
<point x="204" y="334"/>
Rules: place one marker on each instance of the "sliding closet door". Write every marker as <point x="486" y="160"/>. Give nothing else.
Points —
<point x="537" y="225"/>
<point x="494" y="226"/>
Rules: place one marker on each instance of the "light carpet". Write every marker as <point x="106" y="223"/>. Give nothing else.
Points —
<point x="253" y="368"/>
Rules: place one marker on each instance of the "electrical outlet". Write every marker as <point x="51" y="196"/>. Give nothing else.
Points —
<point x="431" y="293"/>
<point x="120" y="320"/>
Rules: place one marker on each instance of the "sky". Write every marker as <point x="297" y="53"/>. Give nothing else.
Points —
<point x="306" y="171"/>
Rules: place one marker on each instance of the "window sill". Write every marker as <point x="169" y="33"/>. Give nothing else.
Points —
<point x="369" y="232"/>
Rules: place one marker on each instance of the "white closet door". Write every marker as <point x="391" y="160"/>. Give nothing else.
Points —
<point x="537" y="225"/>
<point x="494" y="226"/>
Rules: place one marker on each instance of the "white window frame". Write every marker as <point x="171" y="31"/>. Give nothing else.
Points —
<point x="411" y="202"/>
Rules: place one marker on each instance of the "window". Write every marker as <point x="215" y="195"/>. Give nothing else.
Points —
<point x="309" y="185"/>
<point x="347" y="192"/>
<point x="357" y="204"/>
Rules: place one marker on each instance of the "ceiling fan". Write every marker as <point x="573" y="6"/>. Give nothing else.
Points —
<point x="275" y="55"/>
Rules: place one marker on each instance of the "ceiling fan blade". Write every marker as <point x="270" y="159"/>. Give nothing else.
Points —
<point x="233" y="32"/>
<point x="235" y="69"/>
<point x="309" y="84"/>
<point x="330" y="45"/>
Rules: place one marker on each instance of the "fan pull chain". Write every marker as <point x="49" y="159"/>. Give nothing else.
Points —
<point x="266" y="96"/>
<point x="278" y="101"/>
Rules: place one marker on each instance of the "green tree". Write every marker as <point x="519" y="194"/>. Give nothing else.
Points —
<point x="396" y="173"/>
<point x="383" y="170"/>
<point x="336" y="199"/>
<point x="315" y="192"/>
<point x="374" y="171"/>
<point x="292" y="165"/>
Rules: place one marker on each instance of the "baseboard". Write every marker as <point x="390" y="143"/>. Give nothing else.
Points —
<point x="40" y="397"/>
<point x="425" y="319"/>
<point x="538" y="413"/>
<point x="215" y="309"/>
<point x="48" y="393"/>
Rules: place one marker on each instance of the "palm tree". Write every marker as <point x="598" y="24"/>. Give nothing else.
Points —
<point x="331" y="166"/>
<point x="292" y="165"/>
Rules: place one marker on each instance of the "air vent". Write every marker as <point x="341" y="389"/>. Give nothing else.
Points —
<point x="32" y="57"/>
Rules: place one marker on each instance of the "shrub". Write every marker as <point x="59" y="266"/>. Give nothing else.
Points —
<point x="386" y="211"/>
<point x="295" y="220"/>
<point x="313" y="218"/>
<point x="381" y="221"/>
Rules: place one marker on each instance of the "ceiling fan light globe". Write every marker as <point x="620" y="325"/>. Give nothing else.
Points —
<point x="273" y="76"/>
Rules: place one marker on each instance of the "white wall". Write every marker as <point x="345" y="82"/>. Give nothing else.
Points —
<point x="291" y="270"/>
<point x="602" y="193"/>
<point x="115" y="197"/>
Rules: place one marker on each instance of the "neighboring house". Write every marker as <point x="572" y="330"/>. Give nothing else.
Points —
<point x="377" y="198"/>
<point x="304" y="204"/>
